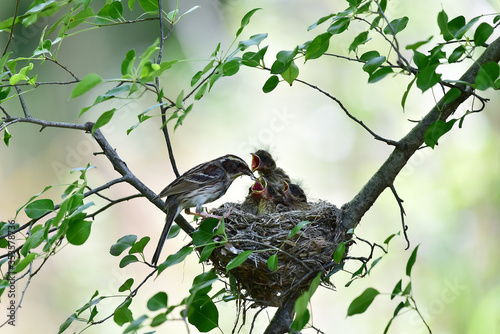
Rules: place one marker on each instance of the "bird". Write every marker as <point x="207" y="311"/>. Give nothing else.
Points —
<point x="263" y="198"/>
<point x="271" y="199"/>
<point x="201" y="184"/>
<point x="295" y="196"/>
<point x="255" y="194"/>
<point x="263" y="162"/>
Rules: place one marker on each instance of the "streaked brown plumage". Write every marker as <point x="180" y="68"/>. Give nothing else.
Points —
<point x="201" y="184"/>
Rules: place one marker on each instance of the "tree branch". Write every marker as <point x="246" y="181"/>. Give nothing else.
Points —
<point x="385" y="176"/>
<point x="121" y="167"/>
<point x="283" y="317"/>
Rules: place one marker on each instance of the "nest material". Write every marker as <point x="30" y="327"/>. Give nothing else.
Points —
<point x="300" y="257"/>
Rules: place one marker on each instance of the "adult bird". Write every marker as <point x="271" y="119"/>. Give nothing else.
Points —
<point x="201" y="184"/>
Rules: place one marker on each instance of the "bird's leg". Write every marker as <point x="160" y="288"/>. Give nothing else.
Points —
<point x="203" y="214"/>
<point x="209" y="215"/>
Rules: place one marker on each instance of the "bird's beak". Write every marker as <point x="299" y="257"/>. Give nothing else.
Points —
<point x="255" y="162"/>
<point x="258" y="187"/>
<point x="285" y="186"/>
<point x="253" y="177"/>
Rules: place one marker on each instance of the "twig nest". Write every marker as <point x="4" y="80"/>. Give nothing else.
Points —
<point x="300" y="257"/>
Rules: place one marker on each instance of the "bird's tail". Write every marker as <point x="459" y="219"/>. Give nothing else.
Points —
<point x="171" y="214"/>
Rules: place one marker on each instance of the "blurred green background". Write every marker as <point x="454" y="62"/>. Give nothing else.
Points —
<point x="451" y="194"/>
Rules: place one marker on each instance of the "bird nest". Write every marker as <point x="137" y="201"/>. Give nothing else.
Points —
<point x="300" y="257"/>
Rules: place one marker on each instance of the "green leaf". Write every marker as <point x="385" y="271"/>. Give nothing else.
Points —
<point x="360" y="39"/>
<point x="207" y="251"/>
<point x="175" y="258"/>
<point x="158" y="320"/>
<point x="283" y="60"/>
<point x="411" y="261"/>
<point x="231" y="67"/>
<point x="397" y="289"/>
<point x="456" y="54"/>
<point x="202" y="284"/>
<point x="245" y="20"/>
<point x="367" y="56"/>
<point x="39" y="208"/>
<point x="416" y="45"/>
<point x="461" y="32"/>
<point x="24" y="263"/>
<point x="196" y="78"/>
<point x="138" y="247"/>
<point x="238" y="260"/>
<point x="487" y="75"/>
<point x="291" y="73"/>
<point x="271" y="84"/>
<point x="6" y="136"/>
<point x="374" y="63"/>
<point x="87" y="83"/>
<point x="482" y="33"/>
<point x="36" y="238"/>
<point x="149" y="5"/>
<point x="158" y="301"/>
<point x="179" y="102"/>
<point x="427" y="78"/>
<point x="297" y="228"/>
<point x="405" y="95"/>
<point x="398" y="25"/>
<point x="81" y="17"/>
<point x="455" y="25"/>
<point x="389" y="238"/>
<point x="172" y="15"/>
<point x="420" y="59"/>
<point x="318" y="46"/>
<point x="116" y="10"/>
<point x="127" y="285"/>
<point x="339" y="252"/>
<point x="407" y="290"/>
<point x="436" y="130"/>
<point x="78" y="231"/>
<point x="135" y="325"/>
<point x="339" y="26"/>
<point x="442" y="20"/>
<point x="202" y="313"/>
<point x="272" y="262"/>
<point x="205" y="232"/>
<point x="254" y="40"/>
<point x="128" y="259"/>
<point x="32" y="198"/>
<point x="201" y="91"/>
<point x="379" y="74"/>
<point x="321" y="20"/>
<point x="360" y="304"/>
<point x="122" y="314"/>
<point x="67" y="323"/>
<point x="451" y="95"/>
<point x="128" y="63"/>
<point x="122" y="244"/>
<point x="103" y="119"/>
<point x="302" y="314"/>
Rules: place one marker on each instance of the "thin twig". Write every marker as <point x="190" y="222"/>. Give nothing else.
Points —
<point x="63" y="67"/>
<point x="377" y="137"/>
<point x="5" y="112"/>
<point x="113" y="203"/>
<point x="403" y="213"/>
<point x="19" y="94"/>
<point x="157" y="83"/>
<point x="11" y="28"/>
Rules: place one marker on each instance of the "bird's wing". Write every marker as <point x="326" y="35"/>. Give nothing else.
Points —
<point x="193" y="179"/>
